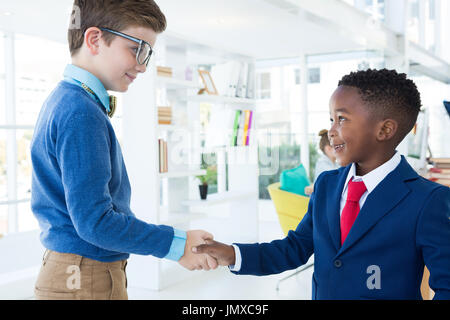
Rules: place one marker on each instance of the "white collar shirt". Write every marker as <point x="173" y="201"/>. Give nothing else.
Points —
<point x="371" y="179"/>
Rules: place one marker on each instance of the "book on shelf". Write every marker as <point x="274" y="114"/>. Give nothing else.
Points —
<point x="163" y="156"/>
<point x="241" y="130"/>
<point x="164" y="115"/>
<point x="441" y="163"/>
<point x="247" y="139"/>
<point x="251" y="81"/>
<point x="241" y="88"/>
<point x="445" y="182"/>
<point x="235" y="128"/>
<point x="440" y="173"/>
<point x="234" y="79"/>
<point x="240" y="133"/>
<point x="246" y="122"/>
<point x="164" y="71"/>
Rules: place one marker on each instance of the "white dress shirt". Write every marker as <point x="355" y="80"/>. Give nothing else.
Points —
<point x="371" y="180"/>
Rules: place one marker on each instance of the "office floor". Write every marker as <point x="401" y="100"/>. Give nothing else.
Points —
<point x="221" y="284"/>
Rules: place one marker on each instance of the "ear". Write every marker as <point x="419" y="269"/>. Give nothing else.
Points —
<point x="387" y="129"/>
<point x="92" y="37"/>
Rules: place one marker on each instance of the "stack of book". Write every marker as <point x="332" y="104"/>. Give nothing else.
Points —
<point x="241" y="128"/>
<point x="164" y="115"/>
<point x="164" y="71"/>
<point x="163" y="162"/>
<point x="440" y="172"/>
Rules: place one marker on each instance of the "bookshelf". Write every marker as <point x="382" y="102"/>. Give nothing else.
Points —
<point x="172" y="197"/>
<point x="174" y="84"/>
<point x="230" y="102"/>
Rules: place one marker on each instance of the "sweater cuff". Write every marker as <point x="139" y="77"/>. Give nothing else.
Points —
<point x="176" y="250"/>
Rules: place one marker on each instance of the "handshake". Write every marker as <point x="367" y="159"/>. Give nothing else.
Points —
<point x="201" y="252"/>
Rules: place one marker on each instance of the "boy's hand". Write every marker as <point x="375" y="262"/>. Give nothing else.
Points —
<point x="197" y="262"/>
<point x="224" y="254"/>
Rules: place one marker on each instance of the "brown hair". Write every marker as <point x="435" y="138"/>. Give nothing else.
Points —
<point x="324" y="139"/>
<point x="113" y="14"/>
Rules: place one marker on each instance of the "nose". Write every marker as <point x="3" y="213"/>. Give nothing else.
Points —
<point x="332" y="132"/>
<point x="141" y="68"/>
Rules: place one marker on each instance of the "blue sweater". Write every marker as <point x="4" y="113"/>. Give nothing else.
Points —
<point x="80" y="187"/>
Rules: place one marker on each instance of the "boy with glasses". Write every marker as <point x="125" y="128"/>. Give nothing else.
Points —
<point x="80" y="188"/>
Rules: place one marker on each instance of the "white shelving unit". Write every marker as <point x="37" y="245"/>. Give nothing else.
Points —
<point x="231" y="102"/>
<point x="173" y="83"/>
<point x="172" y="198"/>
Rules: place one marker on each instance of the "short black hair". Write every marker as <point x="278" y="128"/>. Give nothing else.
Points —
<point x="389" y="95"/>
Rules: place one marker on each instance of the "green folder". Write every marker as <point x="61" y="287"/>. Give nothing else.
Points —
<point x="235" y="128"/>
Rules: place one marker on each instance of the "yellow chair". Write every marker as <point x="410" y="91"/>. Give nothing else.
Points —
<point x="291" y="208"/>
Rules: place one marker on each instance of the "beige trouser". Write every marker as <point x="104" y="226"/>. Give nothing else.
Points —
<point x="66" y="276"/>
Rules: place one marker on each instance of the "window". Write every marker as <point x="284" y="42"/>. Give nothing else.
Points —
<point x="422" y="23"/>
<point x="373" y="7"/>
<point x="431" y="9"/>
<point x="263" y="86"/>
<point x="313" y="75"/>
<point x="2" y="78"/>
<point x="413" y="23"/>
<point x="23" y="163"/>
<point x="36" y="74"/>
<point x="38" y="67"/>
<point x="430" y="25"/>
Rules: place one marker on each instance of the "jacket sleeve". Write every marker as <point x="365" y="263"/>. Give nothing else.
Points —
<point x="433" y="239"/>
<point x="83" y="151"/>
<point x="280" y="255"/>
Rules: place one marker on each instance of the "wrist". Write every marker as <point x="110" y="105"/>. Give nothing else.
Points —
<point x="232" y="256"/>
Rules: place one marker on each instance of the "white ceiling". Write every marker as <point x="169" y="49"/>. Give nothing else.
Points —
<point x="254" y="28"/>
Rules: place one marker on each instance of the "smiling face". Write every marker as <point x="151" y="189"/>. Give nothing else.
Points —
<point x="117" y="63"/>
<point x="353" y="129"/>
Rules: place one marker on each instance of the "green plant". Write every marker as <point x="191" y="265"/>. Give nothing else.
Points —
<point x="210" y="177"/>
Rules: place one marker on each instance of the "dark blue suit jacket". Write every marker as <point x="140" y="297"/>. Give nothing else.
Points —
<point x="403" y="225"/>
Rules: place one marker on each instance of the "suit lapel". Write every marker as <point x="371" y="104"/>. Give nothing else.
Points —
<point x="381" y="201"/>
<point x="333" y="207"/>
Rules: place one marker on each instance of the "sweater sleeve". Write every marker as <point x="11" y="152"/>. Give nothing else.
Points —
<point x="83" y="148"/>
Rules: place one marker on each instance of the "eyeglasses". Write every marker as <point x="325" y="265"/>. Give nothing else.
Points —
<point x="144" y="51"/>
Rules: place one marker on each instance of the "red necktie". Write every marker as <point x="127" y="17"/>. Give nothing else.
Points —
<point x="351" y="208"/>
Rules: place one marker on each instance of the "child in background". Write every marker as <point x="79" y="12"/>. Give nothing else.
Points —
<point x="326" y="160"/>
